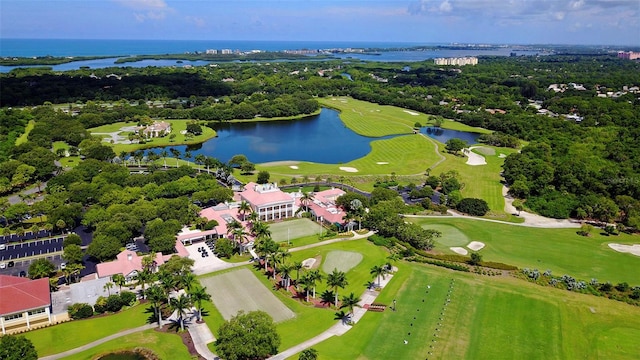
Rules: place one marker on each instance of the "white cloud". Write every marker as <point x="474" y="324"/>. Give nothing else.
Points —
<point x="446" y="6"/>
<point x="143" y="4"/>
<point x="197" y="21"/>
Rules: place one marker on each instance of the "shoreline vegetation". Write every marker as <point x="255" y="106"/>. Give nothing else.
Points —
<point x="322" y="54"/>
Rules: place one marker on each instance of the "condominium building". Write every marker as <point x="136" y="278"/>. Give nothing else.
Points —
<point x="460" y="61"/>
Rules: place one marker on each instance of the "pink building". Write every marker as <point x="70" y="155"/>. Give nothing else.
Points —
<point x="129" y="263"/>
<point x="324" y="207"/>
<point x="24" y="303"/>
<point x="628" y="55"/>
<point x="268" y="201"/>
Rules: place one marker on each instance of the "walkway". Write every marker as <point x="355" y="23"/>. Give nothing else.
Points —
<point x="201" y="336"/>
<point x="368" y="297"/>
<point x="98" y="342"/>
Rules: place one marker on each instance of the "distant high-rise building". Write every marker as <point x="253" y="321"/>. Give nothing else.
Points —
<point x="211" y="51"/>
<point x="226" y="51"/>
<point x="456" y="61"/>
<point x="628" y="55"/>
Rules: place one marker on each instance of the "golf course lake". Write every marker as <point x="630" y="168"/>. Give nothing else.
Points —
<point x="443" y="135"/>
<point x="321" y="138"/>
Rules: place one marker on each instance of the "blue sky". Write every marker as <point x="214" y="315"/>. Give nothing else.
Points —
<point x="609" y="22"/>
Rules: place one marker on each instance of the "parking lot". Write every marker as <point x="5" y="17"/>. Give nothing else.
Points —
<point x="32" y="248"/>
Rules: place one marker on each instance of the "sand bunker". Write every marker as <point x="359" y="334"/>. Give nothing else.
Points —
<point x="382" y="163"/>
<point x="631" y="249"/>
<point x="411" y="112"/>
<point x="475" y="245"/>
<point x="308" y="263"/>
<point x="348" y="169"/>
<point x="474" y="159"/>
<point x="293" y="167"/>
<point x="459" y="250"/>
<point x="502" y="155"/>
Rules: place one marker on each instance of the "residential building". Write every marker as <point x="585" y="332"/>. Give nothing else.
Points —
<point x="629" y="55"/>
<point x="24" y="303"/>
<point x="323" y="207"/>
<point x="157" y="129"/>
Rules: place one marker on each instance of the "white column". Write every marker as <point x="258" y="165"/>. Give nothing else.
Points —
<point x="2" y="324"/>
<point x="26" y="314"/>
<point x="46" y="310"/>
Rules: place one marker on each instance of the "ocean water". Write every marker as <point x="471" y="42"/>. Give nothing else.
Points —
<point x="71" y="47"/>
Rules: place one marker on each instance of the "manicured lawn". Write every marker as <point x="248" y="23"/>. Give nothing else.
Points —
<point x="560" y="250"/>
<point x="455" y="125"/>
<point x="371" y="119"/>
<point x="23" y="138"/>
<point x="177" y="127"/>
<point x="165" y="345"/>
<point x="241" y="290"/>
<point x="482" y="181"/>
<point x="63" y="337"/>
<point x="403" y="155"/>
<point x="294" y="229"/>
<point x="486" y="318"/>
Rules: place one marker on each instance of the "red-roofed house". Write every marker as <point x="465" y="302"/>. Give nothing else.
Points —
<point x="23" y="303"/>
<point x="268" y="201"/>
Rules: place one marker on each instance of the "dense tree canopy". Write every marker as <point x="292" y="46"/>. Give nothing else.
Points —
<point x="249" y="336"/>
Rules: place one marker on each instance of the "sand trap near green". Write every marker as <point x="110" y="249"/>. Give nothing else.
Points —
<point x="341" y="260"/>
<point x="241" y="290"/>
<point x="293" y="229"/>
<point x="451" y="236"/>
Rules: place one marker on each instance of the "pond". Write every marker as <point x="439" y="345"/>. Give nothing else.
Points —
<point x="321" y="138"/>
<point x="443" y="135"/>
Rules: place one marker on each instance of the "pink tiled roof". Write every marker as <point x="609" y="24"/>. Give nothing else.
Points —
<point x="125" y="266"/>
<point x="21" y="294"/>
<point x="324" y="205"/>
<point x="219" y="215"/>
<point x="329" y="195"/>
<point x="256" y="198"/>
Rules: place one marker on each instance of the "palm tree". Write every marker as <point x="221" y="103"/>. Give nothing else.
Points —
<point x="164" y="155"/>
<point x="119" y="280"/>
<point x="267" y="248"/>
<point x="316" y="276"/>
<point x="186" y="280"/>
<point x="168" y="282"/>
<point x="198" y="295"/>
<point x="350" y="301"/>
<point x="378" y="270"/>
<point x="278" y="258"/>
<point x="199" y="160"/>
<point x="74" y="270"/>
<point x="243" y="209"/>
<point x="337" y="279"/>
<point x="306" y="198"/>
<point x="148" y="263"/>
<point x="285" y="271"/>
<point x="239" y="236"/>
<point x="308" y="283"/>
<point x="156" y="295"/>
<point x="143" y="278"/>
<point x="297" y="266"/>
<point x="108" y="286"/>
<point x="260" y="230"/>
<point x="253" y="217"/>
<point x="180" y="305"/>
<point x="48" y="227"/>
<point x="176" y="154"/>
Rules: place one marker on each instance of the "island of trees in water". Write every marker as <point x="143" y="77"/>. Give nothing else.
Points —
<point x="578" y="114"/>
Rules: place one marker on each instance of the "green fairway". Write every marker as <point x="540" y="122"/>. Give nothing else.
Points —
<point x="455" y="125"/>
<point x="241" y="290"/>
<point x="24" y="137"/>
<point x="370" y="119"/>
<point x="482" y="181"/>
<point x="560" y="250"/>
<point x="341" y="260"/>
<point x="293" y="229"/>
<point x="451" y="236"/>
<point x="56" y="339"/>
<point x="165" y="345"/>
<point x="403" y="155"/>
<point x="486" y="318"/>
<point x="178" y="128"/>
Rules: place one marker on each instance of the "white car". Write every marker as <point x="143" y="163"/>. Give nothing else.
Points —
<point x="3" y="246"/>
<point x="3" y="265"/>
<point x="63" y="266"/>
